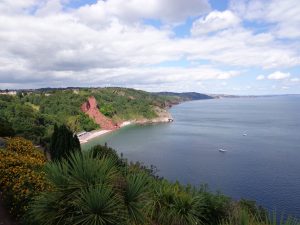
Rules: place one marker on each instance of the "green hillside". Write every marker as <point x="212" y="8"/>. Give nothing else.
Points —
<point x="32" y="114"/>
<point x="186" y="96"/>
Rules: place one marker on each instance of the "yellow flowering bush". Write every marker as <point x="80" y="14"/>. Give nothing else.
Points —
<point x="21" y="177"/>
<point x="20" y="145"/>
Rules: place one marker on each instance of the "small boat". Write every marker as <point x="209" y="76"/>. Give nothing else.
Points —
<point x="222" y="150"/>
<point x="244" y="134"/>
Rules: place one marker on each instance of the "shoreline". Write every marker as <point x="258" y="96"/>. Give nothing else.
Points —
<point x="164" y="116"/>
<point x="91" y="135"/>
<point x="87" y="136"/>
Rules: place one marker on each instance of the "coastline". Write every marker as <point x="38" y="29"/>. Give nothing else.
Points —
<point x="91" y="108"/>
<point x="87" y="136"/>
<point x="92" y="134"/>
<point x="84" y="138"/>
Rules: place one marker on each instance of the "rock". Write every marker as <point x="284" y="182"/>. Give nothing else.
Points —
<point x="91" y="108"/>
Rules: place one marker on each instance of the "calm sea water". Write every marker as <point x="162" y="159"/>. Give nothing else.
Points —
<point x="263" y="166"/>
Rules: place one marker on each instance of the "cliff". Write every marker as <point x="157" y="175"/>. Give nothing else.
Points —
<point x="91" y="108"/>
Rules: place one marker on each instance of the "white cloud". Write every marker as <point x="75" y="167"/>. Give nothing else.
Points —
<point x="260" y="77"/>
<point x="62" y="43"/>
<point x="48" y="7"/>
<point x="241" y="47"/>
<point x="44" y="44"/>
<point x="278" y="76"/>
<point x="16" y="6"/>
<point x="174" y="11"/>
<point x="283" y="16"/>
<point x="152" y="79"/>
<point x="215" y="21"/>
<point x="295" y="79"/>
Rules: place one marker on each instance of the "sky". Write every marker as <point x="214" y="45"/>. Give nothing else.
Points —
<point x="209" y="46"/>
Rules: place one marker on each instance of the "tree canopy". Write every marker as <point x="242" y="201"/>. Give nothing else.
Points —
<point x="63" y="143"/>
<point x="33" y="114"/>
<point x="6" y="129"/>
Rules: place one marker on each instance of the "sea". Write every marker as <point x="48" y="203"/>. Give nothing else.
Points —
<point x="260" y="136"/>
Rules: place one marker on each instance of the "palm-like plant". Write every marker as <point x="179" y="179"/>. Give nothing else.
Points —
<point x="244" y="217"/>
<point x="86" y="191"/>
<point x="136" y="195"/>
<point x="173" y="206"/>
<point x="98" y="205"/>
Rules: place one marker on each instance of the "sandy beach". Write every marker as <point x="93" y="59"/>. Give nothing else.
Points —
<point x="90" y="135"/>
<point x="84" y="138"/>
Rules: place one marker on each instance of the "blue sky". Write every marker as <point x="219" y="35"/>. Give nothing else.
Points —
<point x="211" y="46"/>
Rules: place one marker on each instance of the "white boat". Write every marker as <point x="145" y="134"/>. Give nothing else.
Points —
<point x="222" y="150"/>
<point x="244" y="134"/>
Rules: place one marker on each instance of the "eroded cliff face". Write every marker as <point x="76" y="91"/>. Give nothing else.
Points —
<point x="91" y="108"/>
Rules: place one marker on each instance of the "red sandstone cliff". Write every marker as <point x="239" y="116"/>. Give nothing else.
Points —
<point x="91" y="108"/>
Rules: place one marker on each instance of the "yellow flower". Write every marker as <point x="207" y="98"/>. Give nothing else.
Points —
<point x="20" y="178"/>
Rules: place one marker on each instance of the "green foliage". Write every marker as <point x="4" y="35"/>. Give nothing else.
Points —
<point x="33" y="115"/>
<point x="172" y="204"/>
<point x="126" y="104"/>
<point x="136" y="194"/>
<point x="240" y="216"/>
<point x="97" y="187"/>
<point x="216" y="206"/>
<point x="107" y="109"/>
<point x="87" y="190"/>
<point x="81" y="122"/>
<point x="252" y="208"/>
<point x="25" y="120"/>
<point x="6" y="129"/>
<point x="93" y="188"/>
<point x="103" y="151"/>
<point x="86" y="123"/>
<point x="63" y="143"/>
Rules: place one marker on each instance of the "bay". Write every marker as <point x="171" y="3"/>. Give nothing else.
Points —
<point x="261" y="136"/>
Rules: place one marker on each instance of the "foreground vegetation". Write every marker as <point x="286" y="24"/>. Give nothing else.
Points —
<point x="21" y="174"/>
<point x="99" y="187"/>
<point x="33" y="114"/>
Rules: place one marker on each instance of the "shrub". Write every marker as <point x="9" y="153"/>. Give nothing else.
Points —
<point x="20" y="145"/>
<point x="240" y="216"/>
<point x="216" y="207"/>
<point x="103" y="151"/>
<point x="20" y="175"/>
<point x="173" y="205"/>
<point x="253" y="208"/>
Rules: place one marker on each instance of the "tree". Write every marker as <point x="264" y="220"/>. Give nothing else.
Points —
<point x="63" y="142"/>
<point x="19" y="94"/>
<point x="6" y="129"/>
